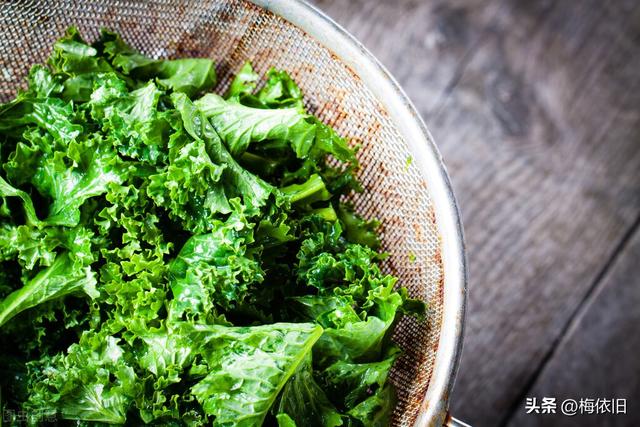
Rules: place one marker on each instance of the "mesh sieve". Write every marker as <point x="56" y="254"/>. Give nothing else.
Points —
<point x="231" y="32"/>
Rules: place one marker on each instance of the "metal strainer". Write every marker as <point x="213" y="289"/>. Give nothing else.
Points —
<point x="406" y="185"/>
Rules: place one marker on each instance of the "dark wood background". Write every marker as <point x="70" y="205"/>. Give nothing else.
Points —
<point x="535" y="106"/>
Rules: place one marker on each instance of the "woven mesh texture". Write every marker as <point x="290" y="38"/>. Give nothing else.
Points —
<point x="231" y="32"/>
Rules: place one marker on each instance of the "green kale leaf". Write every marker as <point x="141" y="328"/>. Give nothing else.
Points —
<point x="60" y="279"/>
<point x="174" y="257"/>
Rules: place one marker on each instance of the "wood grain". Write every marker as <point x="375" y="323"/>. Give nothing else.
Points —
<point x="424" y="44"/>
<point x="599" y="356"/>
<point x="535" y="106"/>
<point x="551" y="135"/>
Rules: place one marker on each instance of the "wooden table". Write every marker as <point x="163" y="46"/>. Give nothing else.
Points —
<point x="535" y="106"/>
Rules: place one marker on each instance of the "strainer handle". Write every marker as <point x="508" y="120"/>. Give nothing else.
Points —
<point x="452" y="422"/>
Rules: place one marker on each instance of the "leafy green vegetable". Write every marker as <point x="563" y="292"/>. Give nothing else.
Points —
<point x="187" y="75"/>
<point x="6" y="191"/>
<point x="353" y="382"/>
<point x="69" y="188"/>
<point x="248" y="368"/>
<point x="244" y="82"/>
<point x="173" y="260"/>
<point x="61" y="278"/>
<point x="214" y="269"/>
<point x="237" y="181"/>
<point x="78" y="384"/>
<point x="285" y="420"/>
<point x="239" y="125"/>
<point x="376" y="410"/>
<point x="280" y="91"/>
<point x="304" y="402"/>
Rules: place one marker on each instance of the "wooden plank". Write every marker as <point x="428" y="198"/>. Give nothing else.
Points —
<point x="599" y="356"/>
<point x="541" y="137"/>
<point x="539" y="128"/>
<point x="423" y="44"/>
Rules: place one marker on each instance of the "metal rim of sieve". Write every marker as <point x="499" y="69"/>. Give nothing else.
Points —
<point x="434" y="406"/>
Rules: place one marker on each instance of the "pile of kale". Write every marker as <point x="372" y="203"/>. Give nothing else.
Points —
<point x="176" y="259"/>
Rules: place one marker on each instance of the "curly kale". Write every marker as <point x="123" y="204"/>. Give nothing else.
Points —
<point x="175" y="257"/>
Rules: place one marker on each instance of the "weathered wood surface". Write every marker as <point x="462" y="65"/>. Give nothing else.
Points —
<point x="600" y="351"/>
<point x="535" y="106"/>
